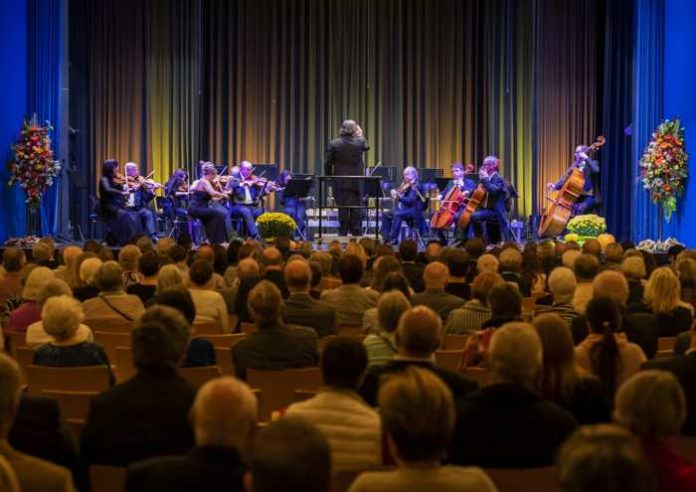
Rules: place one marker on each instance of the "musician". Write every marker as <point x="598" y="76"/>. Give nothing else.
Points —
<point x="123" y="224"/>
<point x="291" y="205"/>
<point x="142" y="191"/>
<point x="589" y="198"/>
<point x="493" y="208"/>
<point x="344" y="157"/>
<point x="175" y="193"/>
<point x="245" y="194"/>
<point x="409" y="202"/>
<point x="202" y="193"/>
<point x="465" y="185"/>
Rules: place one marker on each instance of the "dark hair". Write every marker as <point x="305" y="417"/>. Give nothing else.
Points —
<point x="386" y="265"/>
<point x="108" y="167"/>
<point x="350" y="268"/>
<point x="201" y="272"/>
<point x="240" y="302"/>
<point x="158" y="345"/>
<point x="13" y="259"/>
<point x="604" y="318"/>
<point x="232" y="251"/>
<point x="220" y="261"/>
<point x="343" y="363"/>
<point x="475" y="247"/>
<point x="316" y="273"/>
<point x="178" y="253"/>
<point x="505" y="301"/>
<point x="180" y="300"/>
<point x="650" y="263"/>
<point x="408" y="250"/>
<point x="148" y="264"/>
<point x="397" y="281"/>
<point x="586" y="266"/>
<point x="458" y="262"/>
<point x="291" y="455"/>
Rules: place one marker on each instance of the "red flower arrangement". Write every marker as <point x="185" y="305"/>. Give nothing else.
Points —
<point x="664" y="165"/>
<point x="33" y="165"/>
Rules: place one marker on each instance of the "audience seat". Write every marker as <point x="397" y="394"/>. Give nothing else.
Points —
<point x="247" y="328"/>
<point x="110" y="324"/>
<point x="14" y="340"/>
<point x="524" y="479"/>
<point x="91" y="378"/>
<point x="351" y="331"/>
<point x="124" y="364"/>
<point x="665" y="347"/>
<point x="104" y="478"/>
<point x="278" y="387"/>
<point x="201" y="329"/>
<point x="232" y="321"/>
<point x="24" y="357"/>
<point x="481" y="374"/>
<point x="223" y="355"/>
<point x="110" y="340"/>
<point x="74" y="406"/>
<point x="227" y="341"/>
<point x="455" y="342"/>
<point x="198" y="376"/>
<point x="449" y="359"/>
<point x="323" y="342"/>
<point x="304" y="395"/>
<point x="8" y="478"/>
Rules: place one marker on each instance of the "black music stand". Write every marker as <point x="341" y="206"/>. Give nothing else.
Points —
<point x="442" y="183"/>
<point x="370" y="187"/>
<point x="430" y="175"/>
<point x="298" y="188"/>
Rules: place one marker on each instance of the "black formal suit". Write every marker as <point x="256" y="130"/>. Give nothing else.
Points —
<point x="276" y="348"/>
<point x="439" y="301"/>
<point x="144" y="417"/>
<point x="276" y="276"/>
<point x="344" y="157"/>
<point x="494" y="207"/>
<point x="414" y="273"/>
<point x="208" y="468"/>
<point x="458" y="383"/>
<point x="301" y="309"/>
<point x="684" y="368"/>
<point x="508" y="426"/>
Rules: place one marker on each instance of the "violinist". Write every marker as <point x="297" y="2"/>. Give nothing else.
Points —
<point x="176" y="195"/>
<point x="123" y="224"/>
<point x="291" y="205"/>
<point x="493" y="208"/>
<point x="245" y="193"/>
<point x="409" y="202"/>
<point x="202" y="192"/>
<point x="141" y="193"/>
<point x="589" y="198"/>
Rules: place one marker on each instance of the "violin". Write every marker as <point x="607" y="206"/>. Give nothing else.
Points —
<point x="138" y="182"/>
<point x="404" y="187"/>
<point x="119" y="179"/>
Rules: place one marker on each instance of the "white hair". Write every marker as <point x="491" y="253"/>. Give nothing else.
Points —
<point x="562" y="284"/>
<point x="516" y="353"/>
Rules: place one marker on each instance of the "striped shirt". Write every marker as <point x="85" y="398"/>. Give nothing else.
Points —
<point x="467" y="319"/>
<point x="565" y="310"/>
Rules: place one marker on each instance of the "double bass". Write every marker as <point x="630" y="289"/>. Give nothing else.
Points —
<point x="554" y="220"/>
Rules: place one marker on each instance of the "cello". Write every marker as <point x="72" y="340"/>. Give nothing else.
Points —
<point x="554" y="219"/>
<point x="472" y="204"/>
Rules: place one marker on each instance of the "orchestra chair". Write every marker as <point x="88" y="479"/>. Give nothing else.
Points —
<point x="228" y="341"/>
<point x="223" y="355"/>
<point x="74" y="406"/>
<point x="524" y="479"/>
<point x="96" y="219"/>
<point x="103" y="478"/>
<point x="111" y="340"/>
<point x="455" y="342"/>
<point x="278" y="387"/>
<point x="124" y="364"/>
<point x="13" y="340"/>
<point x="685" y="446"/>
<point x="89" y="378"/>
<point x="480" y="374"/>
<point x="112" y="324"/>
<point x="198" y="376"/>
<point x="210" y="328"/>
<point x="449" y="359"/>
<point x="665" y="347"/>
<point x="247" y="328"/>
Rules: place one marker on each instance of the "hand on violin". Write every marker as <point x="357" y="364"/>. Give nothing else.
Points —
<point x="550" y="186"/>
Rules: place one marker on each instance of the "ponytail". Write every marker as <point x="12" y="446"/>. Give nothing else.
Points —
<point x="604" y="318"/>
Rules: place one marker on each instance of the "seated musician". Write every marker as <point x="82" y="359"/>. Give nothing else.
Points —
<point x="123" y="223"/>
<point x="493" y="207"/>
<point x="142" y="192"/>
<point x="464" y="184"/>
<point x="202" y="192"/>
<point x="176" y="194"/>
<point x="245" y="195"/>
<point x="409" y="202"/>
<point x="589" y="199"/>
<point x="291" y="205"/>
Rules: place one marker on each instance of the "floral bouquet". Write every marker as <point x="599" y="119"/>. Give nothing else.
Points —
<point x="663" y="165"/>
<point x="33" y="165"/>
<point x="589" y="225"/>
<point x="274" y="224"/>
<point x="658" y="246"/>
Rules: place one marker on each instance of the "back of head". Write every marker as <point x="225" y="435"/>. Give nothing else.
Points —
<point x="109" y="277"/>
<point x="265" y="304"/>
<point x="169" y="277"/>
<point x="604" y="318"/>
<point x="35" y="281"/>
<point x="651" y="404"/>
<point x="350" y="268"/>
<point x="592" y="247"/>
<point x="475" y="247"/>
<point x="418" y="333"/>
<point x="510" y="260"/>
<point x="569" y="258"/>
<point x="586" y="267"/>
<point x="397" y="281"/>
<point x="633" y="267"/>
<point x="89" y="268"/>
<point x="10" y="386"/>
<point x="611" y="284"/>
<point x="271" y="258"/>
<point x="505" y="301"/>
<point x="41" y="252"/>
<point x="562" y="284"/>
<point x="435" y="275"/>
<point x="324" y="260"/>
<point x="248" y="268"/>
<point x="52" y="288"/>
<point x="613" y="253"/>
<point x="200" y="273"/>
<point x="458" y="263"/>
<point x="61" y="316"/>
<point x="408" y="250"/>
<point x="164" y="245"/>
<point x="432" y="250"/>
<point x="349" y="128"/>
<point x="178" y="253"/>
<point x="206" y="253"/>
<point x="516" y="354"/>
<point x="487" y="263"/>
<point x="159" y="339"/>
<point x="13" y="259"/>
<point x="391" y="306"/>
<point x="686" y="269"/>
<point x="663" y="291"/>
<point x="128" y="257"/>
<point x="70" y="254"/>
<point x="559" y="375"/>
<point x="343" y="363"/>
<point x="384" y="265"/>
<point x="482" y="285"/>
<point x="148" y="264"/>
<point x="604" y="458"/>
<point x="418" y="415"/>
<point x="291" y="455"/>
<point x="224" y="413"/>
<point x="298" y="276"/>
<point x="179" y="299"/>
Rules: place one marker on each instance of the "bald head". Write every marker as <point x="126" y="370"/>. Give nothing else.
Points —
<point x="418" y="333"/>
<point x="435" y="275"/>
<point x="611" y="284"/>
<point x="271" y="259"/>
<point x="223" y="413"/>
<point x="247" y="268"/>
<point x="298" y="276"/>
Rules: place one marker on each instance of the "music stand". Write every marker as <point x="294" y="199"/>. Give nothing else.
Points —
<point x="298" y="188"/>
<point x="429" y="175"/>
<point x="442" y="183"/>
<point x="370" y="186"/>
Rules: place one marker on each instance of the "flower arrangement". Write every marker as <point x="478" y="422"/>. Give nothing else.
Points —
<point x="33" y="165"/>
<point x="658" y="246"/>
<point x="663" y="165"/>
<point x="274" y="224"/>
<point x="589" y="225"/>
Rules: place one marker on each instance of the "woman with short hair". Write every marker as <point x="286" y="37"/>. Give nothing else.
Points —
<point x="662" y="298"/>
<point x="29" y="312"/>
<point x="381" y="345"/>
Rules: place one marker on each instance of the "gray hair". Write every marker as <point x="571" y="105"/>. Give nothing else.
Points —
<point x="109" y="277"/>
<point x="562" y="284"/>
<point x="516" y="353"/>
<point x="61" y="317"/>
<point x="53" y="288"/>
<point x="390" y="307"/>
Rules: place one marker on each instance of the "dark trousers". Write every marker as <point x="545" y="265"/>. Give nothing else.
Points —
<point x="349" y="219"/>
<point x="584" y="205"/>
<point x="299" y="215"/>
<point x="148" y="222"/>
<point x="248" y="213"/>
<point x="213" y="221"/>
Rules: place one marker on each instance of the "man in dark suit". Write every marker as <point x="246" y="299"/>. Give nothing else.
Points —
<point x="589" y="199"/>
<point x="507" y="424"/>
<point x="300" y="308"/>
<point x="344" y="157"/>
<point x="272" y="269"/>
<point x="274" y="346"/>
<point x="408" y="252"/>
<point x="493" y="207"/>
<point x="147" y="415"/>
<point x="684" y="368"/>
<point x="223" y="417"/>
<point x="434" y="296"/>
<point x="417" y="337"/>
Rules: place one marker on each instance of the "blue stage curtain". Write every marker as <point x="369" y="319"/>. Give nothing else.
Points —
<point x="648" y="107"/>
<point x="44" y="54"/>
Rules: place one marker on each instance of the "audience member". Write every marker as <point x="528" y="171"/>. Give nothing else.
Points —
<point x="246" y="268"/>
<point x="633" y="268"/>
<point x="28" y="312"/>
<point x="562" y="285"/>
<point x="68" y="271"/>
<point x="170" y="277"/>
<point x="349" y="300"/>
<point x="223" y="417"/>
<point x="506" y="305"/>
<point x="487" y="263"/>
<point x="662" y="298"/>
<point x="613" y="256"/>
<point x="128" y="259"/>
<point x="432" y="250"/>
<point x="148" y="267"/>
<point x="586" y="269"/>
<point x="383" y="266"/>
<point x="13" y="260"/>
<point x="488" y="433"/>
<point x="435" y="277"/>
<point x="686" y="269"/>
<point x="351" y="427"/>
<point x="458" y="263"/>
<point x="206" y="252"/>
<point x="274" y="346"/>
<point x="112" y="302"/>
<point x="511" y="265"/>
<point x="408" y="252"/>
<point x="210" y="306"/>
<point x="300" y="308"/>
<point x="418" y="416"/>
<point x="593" y="247"/>
<point x="569" y="256"/>
<point x="42" y="253"/>
<point x="393" y="281"/>
<point x="88" y="268"/>
<point x="271" y="263"/>
<point x="469" y="318"/>
<point x="381" y="345"/>
<point x="326" y="261"/>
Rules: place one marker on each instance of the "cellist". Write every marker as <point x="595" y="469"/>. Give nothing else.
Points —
<point x="493" y="208"/>
<point x="589" y="198"/>
<point x="464" y="184"/>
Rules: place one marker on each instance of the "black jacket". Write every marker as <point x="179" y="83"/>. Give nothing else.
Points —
<point x="344" y="156"/>
<point x="208" y="468"/>
<point x="301" y="309"/>
<point x="508" y="426"/>
<point x="414" y="273"/>
<point x="684" y="368"/>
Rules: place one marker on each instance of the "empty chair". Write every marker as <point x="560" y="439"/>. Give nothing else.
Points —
<point x="278" y="387"/>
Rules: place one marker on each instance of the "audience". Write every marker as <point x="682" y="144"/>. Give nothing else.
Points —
<point x="633" y="268"/>
<point x="418" y="417"/>
<point x="686" y="269"/>
<point x="300" y="308"/>
<point x="408" y="252"/>
<point x="561" y="284"/>
<point x="13" y="260"/>
<point x="128" y="259"/>
<point x="68" y="271"/>
<point x="476" y="311"/>
<point x="435" y="277"/>
<point x="394" y="281"/>
<point x="662" y="298"/>
<point x="29" y="312"/>
<point x="349" y="300"/>
<point x="171" y="277"/>
<point x="458" y="263"/>
<point x="586" y="269"/>
<point x="511" y="266"/>
<point x="148" y="266"/>
<point x="508" y="424"/>
<point x="88" y="268"/>
<point x="274" y="346"/>
<point x="487" y="263"/>
<point x="271" y="263"/>
<point x="381" y="345"/>
<point x="351" y="427"/>
<point x="223" y="417"/>
<point x="506" y="305"/>
<point x="206" y="252"/>
<point x="112" y="301"/>
<point x="652" y="406"/>
<point x="210" y="306"/>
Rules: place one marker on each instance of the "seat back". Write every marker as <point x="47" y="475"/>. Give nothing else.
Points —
<point x="524" y="479"/>
<point x="351" y="331"/>
<point x="91" y="378"/>
<point x="223" y="355"/>
<point x="449" y="359"/>
<point x="278" y="387"/>
<point x="226" y="341"/>
<point x="323" y="342"/>
<point x="112" y="339"/>
<point x="14" y="340"/>
<point x="455" y="342"/>
<point x="201" y="329"/>
<point x="480" y="374"/>
<point x="74" y="406"/>
<point x="198" y="376"/>
<point x="124" y="364"/>
<point x="113" y="324"/>
<point x="8" y="478"/>
<point x="665" y="347"/>
<point x="104" y="478"/>
<point x="247" y="328"/>
<point x="24" y="357"/>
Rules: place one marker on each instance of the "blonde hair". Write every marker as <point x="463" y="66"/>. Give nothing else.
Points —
<point x="487" y="263"/>
<point x="89" y="269"/>
<point x="357" y="250"/>
<point x="634" y="267"/>
<point x="61" y="316"/>
<point x="35" y="281"/>
<point x="170" y="277"/>
<point x="663" y="290"/>
<point x="390" y="307"/>
<point x="562" y="284"/>
<point x="510" y="260"/>
<point x="265" y="303"/>
<point x="651" y="403"/>
<point x="516" y="353"/>
<point x="569" y="257"/>
<point x="129" y="256"/>
<point x="52" y="288"/>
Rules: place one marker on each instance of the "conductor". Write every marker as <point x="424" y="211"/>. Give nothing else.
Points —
<point x="344" y="157"/>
